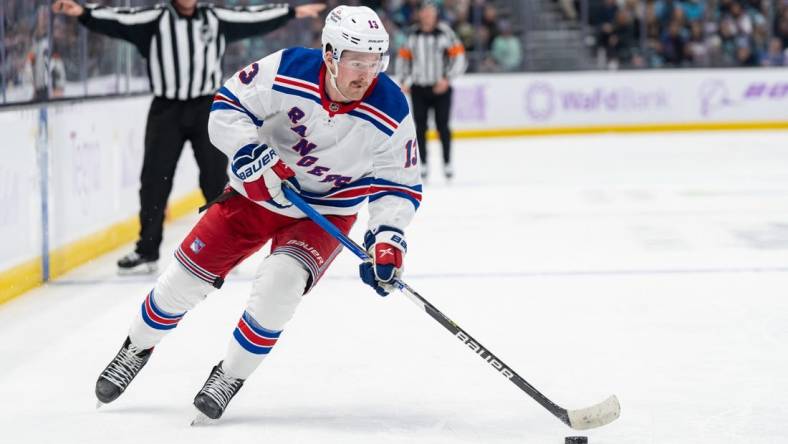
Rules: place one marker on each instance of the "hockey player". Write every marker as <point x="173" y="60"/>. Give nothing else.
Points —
<point x="329" y="122"/>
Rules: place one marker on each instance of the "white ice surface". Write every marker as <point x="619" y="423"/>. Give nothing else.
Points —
<point x="653" y="267"/>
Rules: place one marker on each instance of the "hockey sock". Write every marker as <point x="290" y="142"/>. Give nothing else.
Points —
<point x="276" y="292"/>
<point x="176" y="292"/>
<point x="152" y="323"/>
<point x="251" y="344"/>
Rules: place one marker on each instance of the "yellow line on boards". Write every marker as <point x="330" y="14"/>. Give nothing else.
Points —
<point x="20" y="279"/>
<point x="74" y="254"/>
<point x="26" y="276"/>
<point x="596" y="129"/>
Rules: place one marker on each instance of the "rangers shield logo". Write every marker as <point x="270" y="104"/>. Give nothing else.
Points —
<point x="197" y="245"/>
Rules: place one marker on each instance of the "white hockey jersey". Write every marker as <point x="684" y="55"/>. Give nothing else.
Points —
<point x="342" y="154"/>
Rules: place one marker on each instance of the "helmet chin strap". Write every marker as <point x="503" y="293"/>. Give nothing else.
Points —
<point x="333" y="79"/>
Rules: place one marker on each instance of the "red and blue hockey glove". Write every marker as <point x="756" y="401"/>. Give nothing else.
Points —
<point x="386" y="247"/>
<point x="262" y="173"/>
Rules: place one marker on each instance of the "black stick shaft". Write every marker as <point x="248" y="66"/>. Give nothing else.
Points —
<point x="485" y="354"/>
<point x="436" y="314"/>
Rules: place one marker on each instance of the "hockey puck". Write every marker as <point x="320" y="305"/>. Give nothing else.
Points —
<point x="576" y="440"/>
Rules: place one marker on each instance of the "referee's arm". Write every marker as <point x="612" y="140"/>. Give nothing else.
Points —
<point x="242" y="22"/>
<point x="404" y="65"/>
<point x="135" y="25"/>
<point x="457" y="62"/>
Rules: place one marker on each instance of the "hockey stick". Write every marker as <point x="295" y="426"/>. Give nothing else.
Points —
<point x="580" y="419"/>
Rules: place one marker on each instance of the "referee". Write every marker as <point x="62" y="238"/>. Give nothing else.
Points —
<point x="430" y="58"/>
<point x="183" y="43"/>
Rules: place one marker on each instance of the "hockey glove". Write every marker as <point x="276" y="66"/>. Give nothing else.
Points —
<point x="262" y="173"/>
<point x="386" y="247"/>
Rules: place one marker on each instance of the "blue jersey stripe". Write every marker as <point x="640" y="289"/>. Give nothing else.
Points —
<point x="365" y="182"/>
<point x="340" y="203"/>
<point x="388" y="98"/>
<point x="295" y="92"/>
<point x="376" y="196"/>
<point x="388" y="183"/>
<point x="224" y="105"/>
<point x="386" y="130"/>
<point x="227" y="93"/>
<point x="301" y="63"/>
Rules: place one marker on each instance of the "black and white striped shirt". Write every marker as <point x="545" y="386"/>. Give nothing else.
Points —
<point x="184" y="54"/>
<point x="426" y="57"/>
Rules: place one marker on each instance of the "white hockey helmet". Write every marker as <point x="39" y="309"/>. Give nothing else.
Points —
<point x="356" y="28"/>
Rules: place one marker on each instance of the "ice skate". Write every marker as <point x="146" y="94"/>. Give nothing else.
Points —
<point x="425" y="174"/>
<point x="120" y="372"/>
<point x="135" y="264"/>
<point x="214" y="396"/>
<point x="448" y="171"/>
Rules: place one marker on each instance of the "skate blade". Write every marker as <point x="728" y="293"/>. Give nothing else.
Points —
<point x="141" y="270"/>
<point x="202" y="420"/>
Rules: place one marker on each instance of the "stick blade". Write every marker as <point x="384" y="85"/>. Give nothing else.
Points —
<point x="597" y="415"/>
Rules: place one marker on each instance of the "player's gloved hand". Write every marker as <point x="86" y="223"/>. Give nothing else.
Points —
<point x="262" y="173"/>
<point x="386" y="246"/>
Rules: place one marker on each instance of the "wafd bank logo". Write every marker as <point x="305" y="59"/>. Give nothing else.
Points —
<point x="543" y="101"/>
<point x="714" y="94"/>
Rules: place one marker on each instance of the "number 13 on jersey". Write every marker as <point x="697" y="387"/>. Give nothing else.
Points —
<point x="411" y="153"/>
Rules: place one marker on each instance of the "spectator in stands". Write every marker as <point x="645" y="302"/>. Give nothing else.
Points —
<point x="375" y="5"/>
<point x="17" y="43"/>
<point x="602" y="11"/>
<point x="775" y="55"/>
<point x="651" y="56"/>
<point x="673" y="45"/>
<point x="569" y="8"/>
<point x="781" y="26"/>
<point x="728" y="34"/>
<point x="482" y="60"/>
<point x="406" y="15"/>
<point x="710" y="31"/>
<point x="745" y="52"/>
<point x="606" y="15"/>
<point x="397" y="38"/>
<point x="490" y="21"/>
<point x="623" y="40"/>
<point x="694" y="9"/>
<point x="506" y="48"/>
<point x="476" y="12"/>
<point x="743" y="21"/>
<point x="724" y="6"/>
<point x="44" y="69"/>
<point x="464" y="30"/>
<point x="677" y="16"/>
<point x="453" y="10"/>
<point x="697" y="47"/>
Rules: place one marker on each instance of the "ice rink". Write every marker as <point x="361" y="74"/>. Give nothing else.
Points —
<point x="653" y="267"/>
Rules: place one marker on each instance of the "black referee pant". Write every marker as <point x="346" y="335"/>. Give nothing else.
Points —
<point x="170" y="124"/>
<point x="423" y="99"/>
